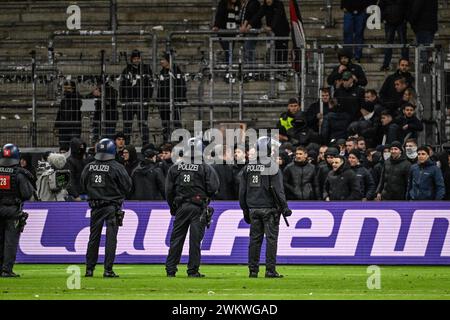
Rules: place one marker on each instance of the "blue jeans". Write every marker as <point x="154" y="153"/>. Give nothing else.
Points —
<point x="249" y="52"/>
<point x="390" y="37"/>
<point x="354" y="25"/>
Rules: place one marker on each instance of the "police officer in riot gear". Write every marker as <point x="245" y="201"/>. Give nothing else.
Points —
<point x="190" y="183"/>
<point x="15" y="188"/>
<point x="106" y="182"/>
<point x="259" y="206"/>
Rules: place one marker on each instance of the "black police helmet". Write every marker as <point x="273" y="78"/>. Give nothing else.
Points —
<point x="105" y="150"/>
<point x="10" y="155"/>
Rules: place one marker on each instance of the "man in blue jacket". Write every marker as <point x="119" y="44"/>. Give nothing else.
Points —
<point x="425" y="178"/>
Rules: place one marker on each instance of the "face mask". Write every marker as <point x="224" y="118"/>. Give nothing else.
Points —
<point x="386" y="155"/>
<point x="411" y="152"/>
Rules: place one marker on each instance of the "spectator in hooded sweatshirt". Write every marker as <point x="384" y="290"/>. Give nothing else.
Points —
<point x="323" y="170"/>
<point x="299" y="178"/>
<point x="342" y="182"/>
<point x="367" y="185"/>
<point x="425" y="179"/>
<point x="75" y="163"/>
<point x="346" y="64"/>
<point x="148" y="178"/>
<point x="130" y="158"/>
<point x="335" y="123"/>
<point x="394" y="178"/>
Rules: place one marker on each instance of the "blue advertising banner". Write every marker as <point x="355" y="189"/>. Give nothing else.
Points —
<point x="320" y="233"/>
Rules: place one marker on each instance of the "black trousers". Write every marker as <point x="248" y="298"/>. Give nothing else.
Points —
<point x="9" y="236"/>
<point x="98" y="218"/>
<point x="187" y="217"/>
<point x="263" y="222"/>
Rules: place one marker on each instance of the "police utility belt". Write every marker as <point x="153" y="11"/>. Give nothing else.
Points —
<point x="99" y="204"/>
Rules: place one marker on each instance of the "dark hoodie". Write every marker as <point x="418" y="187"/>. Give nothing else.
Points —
<point x="275" y="18"/>
<point x="300" y="134"/>
<point x="148" y="181"/>
<point x="342" y="184"/>
<point x="75" y="163"/>
<point x="133" y="161"/>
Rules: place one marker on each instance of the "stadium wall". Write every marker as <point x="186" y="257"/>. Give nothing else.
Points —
<point x="394" y="233"/>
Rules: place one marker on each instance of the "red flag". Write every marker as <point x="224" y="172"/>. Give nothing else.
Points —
<point x="298" y="33"/>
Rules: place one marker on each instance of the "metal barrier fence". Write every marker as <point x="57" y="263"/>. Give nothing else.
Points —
<point x="96" y="91"/>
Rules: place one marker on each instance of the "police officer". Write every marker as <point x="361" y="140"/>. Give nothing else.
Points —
<point x="260" y="207"/>
<point x="190" y="183"/>
<point x="106" y="182"/>
<point x="15" y="188"/>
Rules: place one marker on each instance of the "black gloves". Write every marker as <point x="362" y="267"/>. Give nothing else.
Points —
<point x="287" y="212"/>
<point x="247" y="216"/>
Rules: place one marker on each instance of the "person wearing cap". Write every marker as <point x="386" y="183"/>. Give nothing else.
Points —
<point x="107" y="183"/>
<point x="163" y="97"/>
<point x="350" y="96"/>
<point x="425" y="179"/>
<point x="394" y="177"/>
<point x="355" y="18"/>
<point x="389" y="131"/>
<point x="300" y="134"/>
<point x="68" y="117"/>
<point x="286" y="118"/>
<point x="323" y="170"/>
<point x="16" y="186"/>
<point x="136" y="84"/>
<point x="147" y="177"/>
<point x="367" y="185"/>
<point x="346" y="64"/>
<point x="342" y="184"/>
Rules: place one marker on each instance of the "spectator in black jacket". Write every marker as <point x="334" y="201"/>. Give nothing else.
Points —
<point x="240" y="158"/>
<point x="299" y="178"/>
<point x="394" y="178"/>
<point x="68" y="117"/>
<point x="368" y="187"/>
<point x="119" y="141"/>
<point x="408" y="122"/>
<point x="224" y="171"/>
<point x="314" y="116"/>
<point x="371" y="96"/>
<point x="324" y="169"/>
<point x="342" y="183"/>
<point x="300" y="134"/>
<point x="390" y="131"/>
<point x="444" y="162"/>
<point x="374" y="164"/>
<point x="227" y="18"/>
<point x="179" y="93"/>
<point x="75" y="163"/>
<point x="368" y="126"/>
<point x="165" y="157"/>
<point x="136" y="83"/>
<point x="423" y="18"/>
<point x="335" y="123"/>
<point x="393" y="13"/>
<point x="249" y="9"/>
<point x="278" y="23"/>
<point x="350" y="96"/>
<point x="148" y="178"/>
<point x="389" y="96"/>
<point x="346" y="64"/>
<point x="110" y="109"/>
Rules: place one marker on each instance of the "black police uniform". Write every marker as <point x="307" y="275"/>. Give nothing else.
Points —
<point x="258" y="205"/>
<point x="188" y="186"/>
<point x="106" y="183"/>
<point x="15" y="188"/>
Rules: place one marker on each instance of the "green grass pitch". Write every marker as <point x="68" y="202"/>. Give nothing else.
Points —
<point x="230" y="282"/>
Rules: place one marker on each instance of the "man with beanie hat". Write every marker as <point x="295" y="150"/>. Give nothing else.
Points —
<point x="394" y="178"/>
<point x="136" y="87"/>
<point x="425" y="179"/>
<point x="346" y="64"/>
